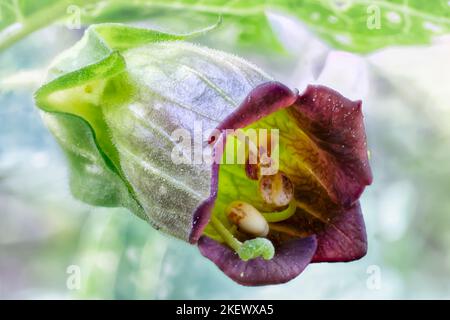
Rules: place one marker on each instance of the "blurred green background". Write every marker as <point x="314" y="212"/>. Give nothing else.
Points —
<point x="394" y="56"/>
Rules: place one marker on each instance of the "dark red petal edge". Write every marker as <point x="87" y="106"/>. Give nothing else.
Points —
<point x="343" y="240"/>
<point x="335" y="124"/>
<point x="290" y="260"/>
<point x="203" y="211"/>
<point x="260" y="102"/>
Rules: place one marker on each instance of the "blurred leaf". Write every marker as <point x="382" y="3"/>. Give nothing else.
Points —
<point x="120" y="257"/>
<point x="354" y="25"/>
<point x="22" y="80"/>
<point x="247" y="30"/>
<point x="364" y="26"/>
<point x="18" y="18"/>
<point x="25" y="17"/>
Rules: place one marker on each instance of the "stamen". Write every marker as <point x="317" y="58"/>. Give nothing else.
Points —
<point x="247" y="218"/>
<point x="259" y="157"/>
<point x="276" y="189"/>
<point x="278" y="216"/>
<point x="251" y="169"/>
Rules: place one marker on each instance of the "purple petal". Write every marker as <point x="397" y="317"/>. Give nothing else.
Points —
<point x="344" y="239"/>
<point x="340" y="164"/>
<point x="289" y="261"/>
<point x="260" y="102"/>
<point x="335" y="124"/>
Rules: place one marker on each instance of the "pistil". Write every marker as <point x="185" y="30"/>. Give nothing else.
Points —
<point x="250" y="249"/>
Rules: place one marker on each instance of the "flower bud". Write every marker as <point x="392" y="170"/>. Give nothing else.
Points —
<point x="247" y="218"/>
<point x="276" y="189"/>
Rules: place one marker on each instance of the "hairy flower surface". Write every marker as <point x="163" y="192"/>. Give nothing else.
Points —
<point x="123" y="104"/>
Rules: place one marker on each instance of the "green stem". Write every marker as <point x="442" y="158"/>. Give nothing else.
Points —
<point x="278" y="216"/>
<point x="37" y="21"/>
<point x="226" y="235"/>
